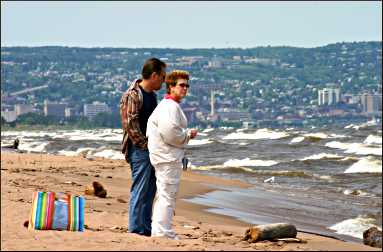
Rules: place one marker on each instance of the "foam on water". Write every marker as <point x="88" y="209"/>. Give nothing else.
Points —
<point x="318" y="135"/>
<point x="194" y="142"/>
<point x="315" y="137"/>
<point x="357" y="192"/>
<point x="259" y="134"/>
<point x="366" y="165"/>
<point x="109" y="135"/>
<point x="285" y="173"/>
<point x="75" y="153"/>
<point x="212" y="167"/>
<point x="111" y="154"/>
<point x="354" y="227"/>
<point x="322" y="156"/>
<point x="363" y="125"/>
<point x="372" y="139"/>
<point x="207" y="130"/>
<point x="28" y="133"/>
<point x="248" y="162"/>
<point x="35" y="146"/>
<point x="297" y="139"/>
<point x="357" y="148"/>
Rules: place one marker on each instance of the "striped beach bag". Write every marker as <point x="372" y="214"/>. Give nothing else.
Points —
<point x="56" y="211"/>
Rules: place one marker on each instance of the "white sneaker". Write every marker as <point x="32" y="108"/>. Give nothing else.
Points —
<point x="175" y="237"/>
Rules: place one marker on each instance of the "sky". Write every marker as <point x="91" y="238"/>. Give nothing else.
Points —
<point x="188" y="24"/>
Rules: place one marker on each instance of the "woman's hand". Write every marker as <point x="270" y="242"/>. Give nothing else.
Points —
<point x="193" y="133"/>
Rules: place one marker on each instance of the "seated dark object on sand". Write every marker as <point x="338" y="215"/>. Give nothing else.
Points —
<point x="15" y="145"/>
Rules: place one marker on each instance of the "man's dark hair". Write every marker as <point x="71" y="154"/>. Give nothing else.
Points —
<point x="152" y="65"/>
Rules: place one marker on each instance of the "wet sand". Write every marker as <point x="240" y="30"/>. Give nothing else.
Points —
<point x="107" y="218"/>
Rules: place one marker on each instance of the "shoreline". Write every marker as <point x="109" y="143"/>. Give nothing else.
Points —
<point x="22" y="174"/>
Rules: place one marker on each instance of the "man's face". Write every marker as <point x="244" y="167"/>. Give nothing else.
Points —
<point x="158" y="79"/>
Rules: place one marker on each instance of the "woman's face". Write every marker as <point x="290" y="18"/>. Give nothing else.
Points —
<point x="180" y="90"/>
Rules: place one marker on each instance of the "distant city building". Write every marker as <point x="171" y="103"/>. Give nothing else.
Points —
<point x="70" y="112"/>
<point x="212" y="103"/>
<point x="234" y="116"/>
<point x="9" y="115"/>
<point x="54" y="109"/>
<point x="91" y="110"/>
<point x="371" y="103"/>
<point x="190" y="113"/>
<point x="215" y="63"/>
<point x="23" y="109"/>
<point x="328" y="96"/>
<point x="351" y="98"/>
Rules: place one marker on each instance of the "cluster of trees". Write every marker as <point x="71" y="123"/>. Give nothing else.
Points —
<point x="82" y="75"/>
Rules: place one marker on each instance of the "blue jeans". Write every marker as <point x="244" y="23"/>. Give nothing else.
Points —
<point x="142" y="192"/>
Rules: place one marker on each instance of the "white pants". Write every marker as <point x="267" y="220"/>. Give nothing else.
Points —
<point x="168" y="177"/>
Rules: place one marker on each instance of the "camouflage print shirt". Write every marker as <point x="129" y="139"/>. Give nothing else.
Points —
<point x="130" y="105"/>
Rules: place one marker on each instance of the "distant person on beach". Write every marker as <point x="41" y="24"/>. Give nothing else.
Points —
<point x="167" y="137"/>
<point x="136" y="105"/>
<point x="15" y="145"/>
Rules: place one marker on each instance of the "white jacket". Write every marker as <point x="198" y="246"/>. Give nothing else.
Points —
<point x="167" y="133"/>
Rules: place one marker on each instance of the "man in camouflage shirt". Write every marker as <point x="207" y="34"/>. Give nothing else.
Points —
<point x="136" y="105"/>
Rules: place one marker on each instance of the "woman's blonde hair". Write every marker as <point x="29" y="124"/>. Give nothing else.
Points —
<point x="173" y="76"/>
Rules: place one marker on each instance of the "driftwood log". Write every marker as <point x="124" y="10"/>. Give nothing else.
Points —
<point x="373" y="237"/>
<point x="270" y="232"/>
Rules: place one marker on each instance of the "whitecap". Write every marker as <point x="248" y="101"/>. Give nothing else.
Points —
<point x="248" y="162"/>
<point x="110" y="154"/>
<point x="354" y="227"/>
<point x="356" y="192"/>
<point x="366" y="165"/>
<point x="297" y="139"/>
<point x="75" y="153"/>
<point x="318" y="135"/>
<point x="337" y="136"/>
<point x="350" y="159"/>
<point x="322" y="156"/>
<point x="28" y="133"/>
<point x="33" y="146"/>
<point x="67" y="153"/>
<point x="363" y="125"/>
<point x="357" y="148"/>
<point x="194" y="142"/>
<point x="207" y="130"/>
<point x="259" y="134"/>
<point x="212" y="167"/>
<point x="372" y="139"/>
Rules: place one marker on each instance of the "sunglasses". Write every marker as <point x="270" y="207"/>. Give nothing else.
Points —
<point x="183" y="85"/>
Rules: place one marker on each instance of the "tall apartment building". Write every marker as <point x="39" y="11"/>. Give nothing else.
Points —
<point x="54" y="109"/>
<point x="23" y="109"/>
<point x="371" y="103"/>
<point x="328" y="96"/>
<point x="91" y="110"/>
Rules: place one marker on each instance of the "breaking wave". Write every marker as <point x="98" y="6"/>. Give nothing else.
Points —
<point x="259" y="134"/>
<point x="371" y="139"/>
<point x="248" y="162"/>
<point x="354" y="227"/>
<point x="322" y="156"/>
<point x="366" y="165"/>
<point x="357" y="148"/>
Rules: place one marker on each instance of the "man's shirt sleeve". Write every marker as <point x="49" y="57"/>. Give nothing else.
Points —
<point x="133" y="125"/>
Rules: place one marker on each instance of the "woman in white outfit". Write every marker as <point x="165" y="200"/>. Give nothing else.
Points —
<point x="167" y="137"/>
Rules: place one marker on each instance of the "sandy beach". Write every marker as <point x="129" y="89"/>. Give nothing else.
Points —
<point x="107" y="218"/>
